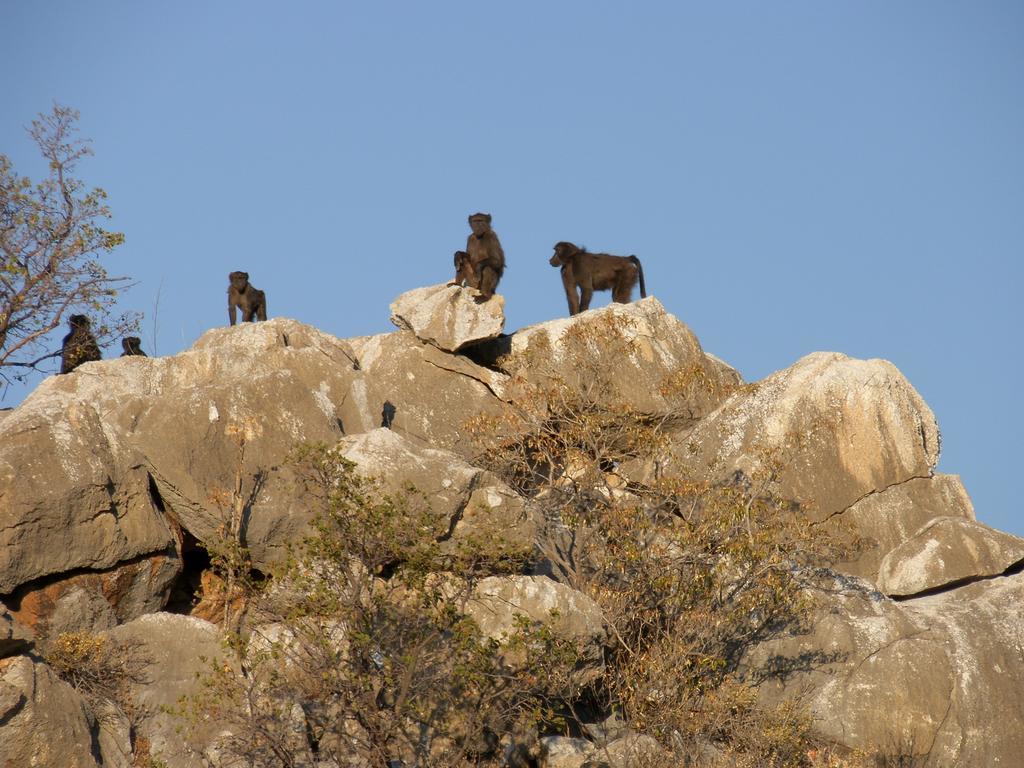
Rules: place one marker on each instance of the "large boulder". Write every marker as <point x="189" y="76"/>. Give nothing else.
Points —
<point x="44" y="721"/>
<point x="833" y="430"/>
<point x="95" y="600"/>
<point x="571" y="615"/>
<point x="937" y="679"/>
<point x="103" y="465"/>
<point x="425" y="394"/>
<point x="948" y="551"/>
<point x="72" y="495"/>
<point x="649" y="358"/>
<point x="176" y="651"/>
<point x="448" y="316"/>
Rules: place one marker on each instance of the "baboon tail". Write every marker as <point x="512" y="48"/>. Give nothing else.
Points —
<point x="640" y="274"/>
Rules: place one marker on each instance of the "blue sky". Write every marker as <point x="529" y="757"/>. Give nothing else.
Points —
<point x="795" y="176"/>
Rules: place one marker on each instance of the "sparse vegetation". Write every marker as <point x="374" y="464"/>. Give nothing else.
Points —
<point x="360" y="647"/>
<point x="688" y="575"/>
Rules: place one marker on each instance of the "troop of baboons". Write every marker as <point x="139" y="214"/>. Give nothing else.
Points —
<point x="480" y="266"/>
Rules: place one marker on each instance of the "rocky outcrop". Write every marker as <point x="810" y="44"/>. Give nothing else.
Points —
<point x="498" y="600"/>
<point x="830" y="430"/>
<point x="837" y="429"/>
<point x="113" y="477"/>
<point x="105" y="466"/>
<point x="425" y="394"/>
<point x="96" y="600"/>
<point x="886" y="519"/>
<point x="173" y="651"/>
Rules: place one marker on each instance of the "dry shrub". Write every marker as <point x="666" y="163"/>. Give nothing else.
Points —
<point x="97" y="667"/>
<point x="689" y="575"/>
<point x="359" y="647"/>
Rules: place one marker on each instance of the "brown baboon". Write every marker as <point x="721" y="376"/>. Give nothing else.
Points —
<point x="591" y="272"/>
<point x="132" y="345"/>
<point x="464" y="272"/>
<point x="79" y="346"/>
<point x="485" y="255"/>
<point x="241" y="294"/>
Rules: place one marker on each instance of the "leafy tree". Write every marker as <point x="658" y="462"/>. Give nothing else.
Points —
<point x="51" y="240"/>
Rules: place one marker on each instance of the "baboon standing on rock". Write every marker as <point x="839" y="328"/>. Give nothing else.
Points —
<point x="79" y="346"/>
<point x="486" y="258"/>
<point x="241" y="294"/>
<point x="132" y="346"/>
<point x="591" y="272"/>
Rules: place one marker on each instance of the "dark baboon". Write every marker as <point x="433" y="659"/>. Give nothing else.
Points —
<point x="252" y="301"/>
<point x="591" y="272"/>
<point x="464" y="272"/>
<point x="485" y="254"/>
<point x="79" y="346"/>
<point x="387" y="414"/>
<point x="132" y="345"/>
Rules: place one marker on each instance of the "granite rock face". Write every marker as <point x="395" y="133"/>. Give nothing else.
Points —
<point x="937" y="679"/>
<point x="115" y="478"/>
<point x="838" y="429"/>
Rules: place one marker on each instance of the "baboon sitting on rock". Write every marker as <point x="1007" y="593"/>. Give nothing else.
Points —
<point x="79" y="346"/>
<point x="132" y="346"/>
<point x="486" y="259"/>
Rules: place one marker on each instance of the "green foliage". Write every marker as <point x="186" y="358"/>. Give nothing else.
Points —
<point x="51" y="242"/>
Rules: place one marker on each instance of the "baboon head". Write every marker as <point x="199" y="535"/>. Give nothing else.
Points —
<point x="79" y="322"/>
<point x="480" y="223"/>
<point x="132" y="345"/>
<point x="239" y="280"/>
<point x="564" y="251"/>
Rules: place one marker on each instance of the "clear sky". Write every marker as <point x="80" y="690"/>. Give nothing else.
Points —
<point x="795" y="176"/>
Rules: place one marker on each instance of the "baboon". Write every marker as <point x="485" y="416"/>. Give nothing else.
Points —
<point x="485" y="255"/>
<point x="252" y="301"/>
<point x="387" y="414"/>
<point x="79" y="346"/>
<point x="464" y="272"/>
<point x="591" y="272"/>
<point x="132" y="345"/>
